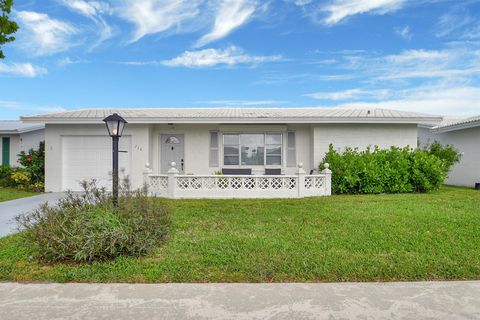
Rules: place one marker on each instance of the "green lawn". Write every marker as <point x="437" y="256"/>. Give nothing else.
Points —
<point x="340" y="238"/>
<point x="10" y="194"/>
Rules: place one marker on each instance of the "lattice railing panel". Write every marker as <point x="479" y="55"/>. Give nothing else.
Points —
<point x="314" y="182"/>
<point x="236" y="183"/>
<point x="158" y="182"/>
<point x="213" y="186"/>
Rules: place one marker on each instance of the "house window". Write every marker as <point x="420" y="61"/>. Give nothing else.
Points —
<point x="172" y="140"/>
<point x="231" y="149"/>
<point x="274" y="148"/>
<point x="251" y="149"/>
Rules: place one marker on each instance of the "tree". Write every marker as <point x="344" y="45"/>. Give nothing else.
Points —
<point x="7" y="26"/>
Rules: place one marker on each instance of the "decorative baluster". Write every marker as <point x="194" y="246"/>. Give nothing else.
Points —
<point x="328" y="180"/>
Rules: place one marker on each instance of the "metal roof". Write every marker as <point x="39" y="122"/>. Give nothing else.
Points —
<point x="15" y="127"/>
<point x="458" y="124"/>
<point x="237" y="115"/>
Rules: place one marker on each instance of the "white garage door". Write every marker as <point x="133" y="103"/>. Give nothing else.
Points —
<point x="90" y="157"/>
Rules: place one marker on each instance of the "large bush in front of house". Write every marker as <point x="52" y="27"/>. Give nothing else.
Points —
<point x="86" y="227"/>
<point x="30" y="175"/>
<point x="394" y="170"/>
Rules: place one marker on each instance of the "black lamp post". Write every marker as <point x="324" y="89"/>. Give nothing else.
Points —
<point x="115" y="125"/>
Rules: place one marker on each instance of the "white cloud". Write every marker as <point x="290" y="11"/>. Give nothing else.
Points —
<point x="243" y="102"/>
<point x="276" y="78"/>
<point x="230" y="15"/>
<point x="42" y="35"/>
<point x="411" y="64"/>
<point x="301" y="2"/>
<point x="213" y="57"/>
<point x="436" y="81"/>
<point x="339" y="10"/>
<point x="26" y="108"/>
<point x="451" y="22"/>
<point x="155" y="16"/>
<point x="94" y="10"/>
<point x="349" y="94"/>
<point x="458" y="24"/>
<point x="65" y="61"/>
<point x="22" y="69"/>
<point x="439" y="99"/>
<point x="87" y="8"/>
<point x="418" y="56"/>
<point x="404" y="32"/>
<point x="161" y="16"/>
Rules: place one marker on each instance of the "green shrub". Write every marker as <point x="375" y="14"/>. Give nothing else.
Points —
<point x="31" y="175"/>
<point x="21" y="178"/>
<point x="33" y="163"/>
<point x="6" y="176"/>
<point x="427" y="171"/>
<point x="448" y="154"/>
<point x="87" y="227"/>
<point x="394" y="170"/>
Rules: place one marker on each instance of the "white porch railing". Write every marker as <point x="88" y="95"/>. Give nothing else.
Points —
<point x="174" y="185"/>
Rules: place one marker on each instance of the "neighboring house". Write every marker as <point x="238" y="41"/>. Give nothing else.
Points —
<point x="16" y="136"/>
<point x="205" y="141"/>
<point x="463" y="134"/>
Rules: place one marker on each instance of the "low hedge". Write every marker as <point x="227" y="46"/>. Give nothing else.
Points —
<point x="394" y="170"/>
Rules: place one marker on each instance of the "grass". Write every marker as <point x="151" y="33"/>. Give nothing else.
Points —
<point x="11" y="194"/>
<point x="432" y="236"/>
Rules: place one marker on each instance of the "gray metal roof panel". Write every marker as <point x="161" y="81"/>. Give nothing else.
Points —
<point x="12" y="126"/>
<point x="202" y="114"/>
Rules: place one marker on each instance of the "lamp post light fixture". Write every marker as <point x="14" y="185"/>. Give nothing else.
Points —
<point x="115" y="125"/>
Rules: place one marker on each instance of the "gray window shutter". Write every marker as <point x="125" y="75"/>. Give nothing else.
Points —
<point x="213" y="161"/>
<point x="291" y="150"/>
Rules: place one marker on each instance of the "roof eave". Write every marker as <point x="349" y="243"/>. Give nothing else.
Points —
<point x="456" y="127"/>
<point x="21" y="131"/>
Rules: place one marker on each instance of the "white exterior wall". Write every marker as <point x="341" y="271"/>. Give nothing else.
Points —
<point x="22" y="142"/>
<point x="14" y="150"/>
<point x="425" y="137"/>
<point x="360" y="136"/>
<point x="31" y="140"/>
<point x="467" y="141"/>
<point x="53" y="150"/>
<point x="311" y="144"/>
<point x="197" y="144"/>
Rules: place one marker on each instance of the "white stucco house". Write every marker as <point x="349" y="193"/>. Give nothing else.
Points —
<point x="463" y="134"/>
<point x="16" y="136"/>
<point x="202" y="142"/>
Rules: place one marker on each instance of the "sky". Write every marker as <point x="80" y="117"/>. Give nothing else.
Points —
<point x="414" y="55"/>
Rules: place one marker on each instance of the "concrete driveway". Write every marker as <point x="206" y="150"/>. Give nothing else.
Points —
<point x="10" y="209"/>
<point x="404" y="300"/>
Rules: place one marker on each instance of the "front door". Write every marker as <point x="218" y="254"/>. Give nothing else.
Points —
<point x="172" y="150"/>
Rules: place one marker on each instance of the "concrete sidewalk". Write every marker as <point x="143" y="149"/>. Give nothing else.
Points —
<point x="408" y="300"/>
<point x="10" y="209"/>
